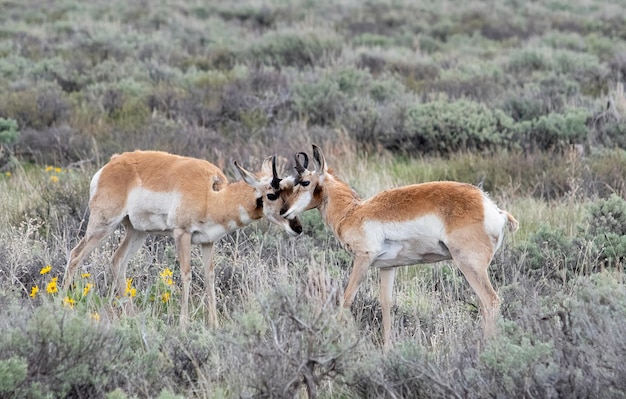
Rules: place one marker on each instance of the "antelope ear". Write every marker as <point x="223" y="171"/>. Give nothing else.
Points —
<point x="287" y="183"/>
<point x="320" y="162"/>
<point x="248" y="177"/>
<point x="266" y="169"/>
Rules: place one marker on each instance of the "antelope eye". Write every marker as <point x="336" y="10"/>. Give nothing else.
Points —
<point x="305" y="183"/>
<point x="272" y="197"/>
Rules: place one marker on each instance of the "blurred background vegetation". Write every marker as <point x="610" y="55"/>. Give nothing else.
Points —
<point x="525" y="96"/>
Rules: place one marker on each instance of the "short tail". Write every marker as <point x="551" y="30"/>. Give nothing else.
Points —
<point x="513" y="223"/>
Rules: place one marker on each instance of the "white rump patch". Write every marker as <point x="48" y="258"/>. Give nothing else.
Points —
<point x="494" y="222"/>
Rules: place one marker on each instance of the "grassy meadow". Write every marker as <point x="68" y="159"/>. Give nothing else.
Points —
<point x="526" y="97"/>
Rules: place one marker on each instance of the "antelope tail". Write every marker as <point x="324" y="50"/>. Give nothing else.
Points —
<point x="513" y="223"/>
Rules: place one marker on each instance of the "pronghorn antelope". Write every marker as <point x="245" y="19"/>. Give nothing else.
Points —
<point x="151" y="192"/>
<point x="420" y="223"/>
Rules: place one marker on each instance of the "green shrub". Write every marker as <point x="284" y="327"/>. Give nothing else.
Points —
<point x="39" y="106"/>
<point x="296" y="48"/>
<point x="320" y="102"/>
<point x="372" y="40"/>
<point x="65" y="355"/>
<point x="606" y="228"/>
<point x="294" y="343"/>
<point x="612" y="133"/>
<point x="8" y="131"/>
<point x="547" y="95"/>
<point x="13" y="372"/>
<point x="386" y="89"/>
<point x="444" y="127"/>
<point x="555" y="130"/>
<point x="517" y="362"/>
<point x="476" y="87"/>
<point x="523" y="107"/>
<point x="550" y="253"/>
<point x="527" y="61"/>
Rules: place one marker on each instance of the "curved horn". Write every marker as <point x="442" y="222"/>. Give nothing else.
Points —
<point x="275" y="179"/>
<point x="299" y="167"/>
<point x="306" y="159"/>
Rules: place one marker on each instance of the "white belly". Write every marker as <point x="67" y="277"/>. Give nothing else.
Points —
<point x="421" y="240"/>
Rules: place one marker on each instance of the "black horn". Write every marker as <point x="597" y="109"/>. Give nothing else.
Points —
<point x="299" y="167"/>
<point x="275" y="179"/>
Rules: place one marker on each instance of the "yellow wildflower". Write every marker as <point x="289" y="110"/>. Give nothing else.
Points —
<point x="69" y="302"/>
<point x="58" y="170"/>
<point x="54" y="179"/>
<point x="165" y="297"/>
<point x="95" y="316"/>
<point x="166" y="276"/>
<point x="45" y="270"/>
<point x="8" y="174"/>
<point x="85" y="275"/>
<point x="130" y="290"/>
<point x="49" y="168"/>
<point x="52" y="288"/>
<point x="87" y="289"/>
<point x="34" y="291"/>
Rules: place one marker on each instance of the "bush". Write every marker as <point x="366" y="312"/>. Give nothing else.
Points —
<point x="543" y="97"/>
<point x="320" y="102"/>
<point x="550" y="253"/>
<point x="39" y="106"/>
<point x="8" y="131"/>
<point x="554" y="131"/>
<point x="445" y="127"/>
<point x="295" y="342"/>
<point x="527" y="61"/>
<point x="8" y="136"/>
<point x="63" y="355"/>
<point x="606" y="228"/>
<point x="296" y="48"/>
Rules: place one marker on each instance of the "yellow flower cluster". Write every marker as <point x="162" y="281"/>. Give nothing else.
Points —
<point x="130" y="290"/>
<point x="54" y="178"/>
<point x="166" y="276"/>
<point x="162" y="293"/>
<point x="165" y="297"/>
<point x="67" y="301"/>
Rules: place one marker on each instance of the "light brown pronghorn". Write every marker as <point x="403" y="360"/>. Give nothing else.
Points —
<point x="420" y="223"/>
<point x="151" y="192"/>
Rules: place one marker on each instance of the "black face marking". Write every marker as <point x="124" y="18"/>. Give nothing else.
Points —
<point x="272" y="196"/>
<point x="259" y="202"/>
<point x="295" y="225"/>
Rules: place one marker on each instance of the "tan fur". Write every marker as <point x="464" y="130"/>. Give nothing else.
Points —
<point x="420" y="223"/>
<point x="187" y="198"/>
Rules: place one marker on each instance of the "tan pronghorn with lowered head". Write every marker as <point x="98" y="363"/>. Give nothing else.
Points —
<point x="151" y="192"/>
<point x="420" y="223"/>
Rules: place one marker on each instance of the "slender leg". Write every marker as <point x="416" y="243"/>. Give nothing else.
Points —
<point x="133" y="240"/>
<point x="489" y="301"/>
<point x="209" y="282"/>
<point x="472" y="257"/>
<point x="359" y="269"/>
<point x="183" y="244"/>
<point x="387" y="277"/>
<point x="96" y="232"/>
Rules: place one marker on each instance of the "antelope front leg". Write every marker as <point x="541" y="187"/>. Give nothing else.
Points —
<point x="359" y="269"/>
<point x="209" y="282"/>
<point x="182" y="240"/>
